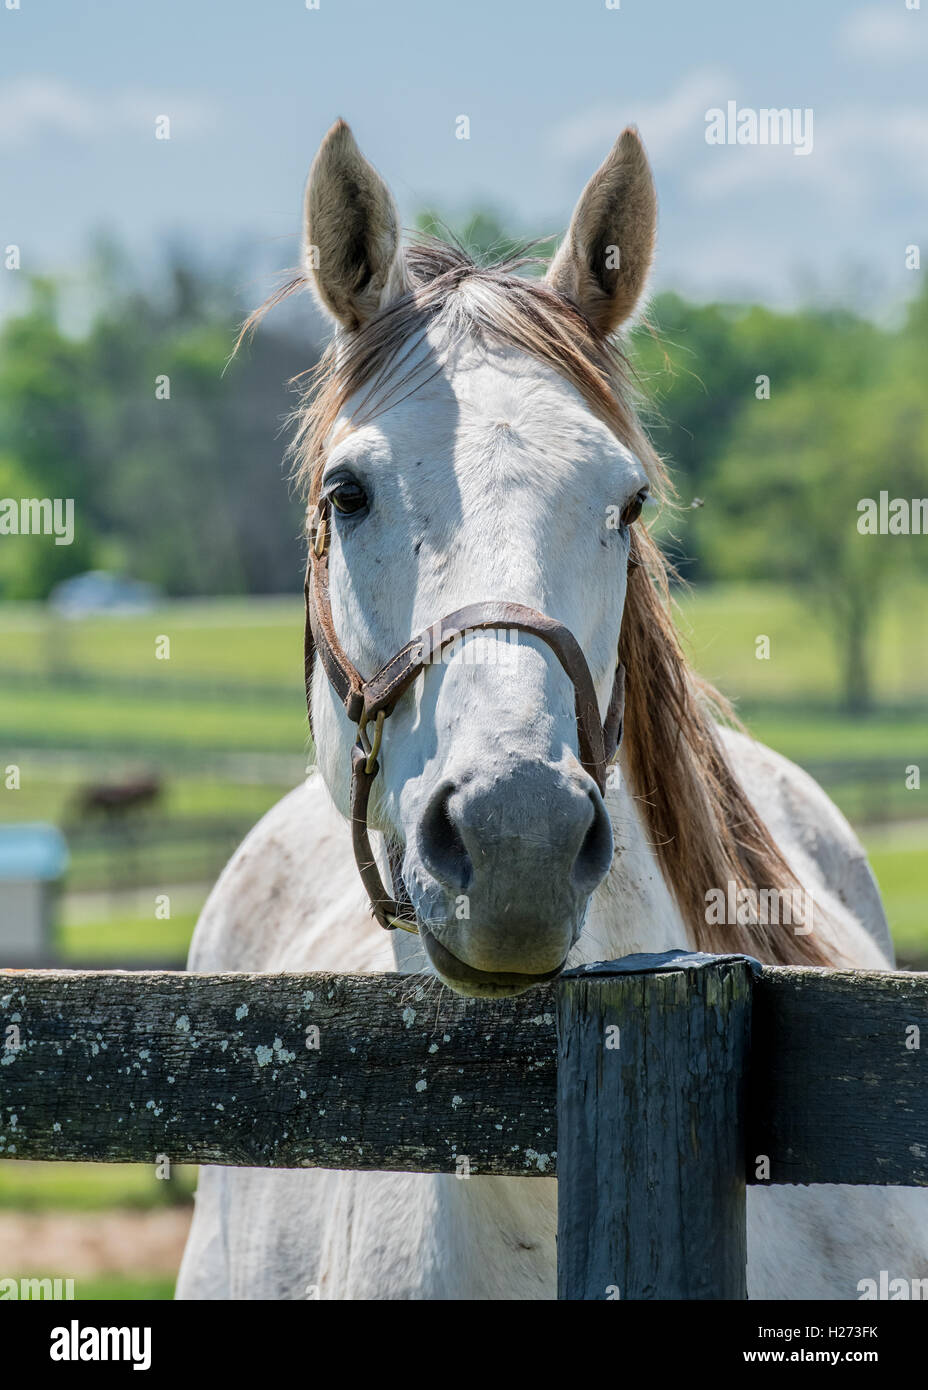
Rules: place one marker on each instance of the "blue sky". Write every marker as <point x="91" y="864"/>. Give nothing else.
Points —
<point x="252" y="85"/>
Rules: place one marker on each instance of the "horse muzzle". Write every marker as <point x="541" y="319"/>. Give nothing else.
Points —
<point x="500" y="871"/>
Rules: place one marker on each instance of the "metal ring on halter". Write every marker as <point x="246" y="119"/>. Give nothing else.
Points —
<point x="371" y="748"/>
<point x="403" y="926"/>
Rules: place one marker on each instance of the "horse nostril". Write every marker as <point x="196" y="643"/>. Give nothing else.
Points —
<point x="595" y="855"/>
<point x="441" y="846"/>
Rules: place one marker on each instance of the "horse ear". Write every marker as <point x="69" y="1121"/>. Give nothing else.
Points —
<point x="350" y="231"/>
<point x="603" y="262"/>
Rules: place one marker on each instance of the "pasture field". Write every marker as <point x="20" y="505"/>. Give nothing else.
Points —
<point x="49" y="793"/>
<point x="165" y="732"/>
<point x="116" y="1229"/>
<point x="93" y="690"/>
<point x="720" y="623"/>
<point x="234" y="677"/>
<point x="136" y="936"/>
<point x="88" y="1187"/>
<point x="51" y="716"/>
<point x="899" y="859"/>
<point x="257" y="639"/>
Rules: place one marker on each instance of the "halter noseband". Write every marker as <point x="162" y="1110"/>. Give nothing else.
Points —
<point x="372" y="701"/>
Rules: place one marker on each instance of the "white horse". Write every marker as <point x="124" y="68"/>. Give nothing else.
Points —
<point x="474" y="439"/>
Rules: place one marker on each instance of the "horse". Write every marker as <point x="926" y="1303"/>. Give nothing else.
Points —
<point x="472" y="437"/>
<point x="115" y="799"/>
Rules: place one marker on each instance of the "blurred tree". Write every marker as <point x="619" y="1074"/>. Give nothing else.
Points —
<point x="783" y="504"/>
<point x="485" y="238"/>
<point x="698" y="366"/>
<point x="174" y="458"/>
<point x="44" y="440"/>
<point x="174" y="462"/>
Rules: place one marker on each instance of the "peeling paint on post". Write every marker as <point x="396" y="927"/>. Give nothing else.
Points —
<point x="651" y="1183"/>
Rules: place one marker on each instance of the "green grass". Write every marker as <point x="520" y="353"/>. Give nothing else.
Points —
<point x="45" y="797"/>
<point x="790" y="700"/>
<point x="127" y="938"/>
<point x="253" y="641"/>
<point x="220" y="813"/>
<point x="27" y="1186"/>
<point x="899" y="859"/>
<point x="259" y="640"/>
<point x="809" y="736"/>
<point x="80" y="717"/>
<point x="123" y="1287"/>
<point x="161" y="863"/>
<point x="721" y="623"/>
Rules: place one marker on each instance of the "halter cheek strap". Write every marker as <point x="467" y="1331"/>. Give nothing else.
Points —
<point x="371" y="701"/>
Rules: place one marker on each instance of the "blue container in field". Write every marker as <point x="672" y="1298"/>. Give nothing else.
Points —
<point x="33" y="858"/>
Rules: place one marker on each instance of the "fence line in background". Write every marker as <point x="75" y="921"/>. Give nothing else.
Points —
<point x="166" y="687"/>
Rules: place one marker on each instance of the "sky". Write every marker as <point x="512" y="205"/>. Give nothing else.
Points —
<point x="251" y="86"/>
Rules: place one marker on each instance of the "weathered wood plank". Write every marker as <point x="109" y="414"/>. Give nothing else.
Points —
<point x="839" y="1092"/>
<point x="834" y="1095"/>
<point x="216" y="1069"/>
<point x="651" y="1071"/>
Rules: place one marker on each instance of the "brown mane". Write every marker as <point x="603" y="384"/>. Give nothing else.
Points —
<point x="705" y="831"/>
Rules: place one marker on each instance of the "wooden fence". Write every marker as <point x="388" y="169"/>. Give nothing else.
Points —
<point x="653" y="1088"/>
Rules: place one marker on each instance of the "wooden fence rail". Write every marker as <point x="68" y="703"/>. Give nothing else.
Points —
<point x="672" y="1080"/>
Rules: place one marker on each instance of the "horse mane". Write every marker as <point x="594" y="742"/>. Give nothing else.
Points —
<point x="705" y="831"/>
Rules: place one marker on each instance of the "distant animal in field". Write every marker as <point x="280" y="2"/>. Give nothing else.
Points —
<point x="113" y="799"/>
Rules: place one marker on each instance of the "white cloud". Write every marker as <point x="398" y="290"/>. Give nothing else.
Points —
<point x="731" y="213"/>
<point x="664" y="124"/>
<point x="885" y="35"/>
<point x="32" y="108"/>
<point x="856" y="154"/>
<point x="35" y="106"/>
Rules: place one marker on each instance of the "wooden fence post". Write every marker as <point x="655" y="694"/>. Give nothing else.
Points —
<point x="652" y="1052"/>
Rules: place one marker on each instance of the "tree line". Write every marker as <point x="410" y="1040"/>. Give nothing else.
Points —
<point x="777" y="427"/>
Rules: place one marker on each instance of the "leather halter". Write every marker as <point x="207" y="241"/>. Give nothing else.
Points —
<point x="372" y="701"/>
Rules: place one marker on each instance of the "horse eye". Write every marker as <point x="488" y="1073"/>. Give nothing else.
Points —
<point x="348" y="498"/>
<point x="633" y="510"/>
